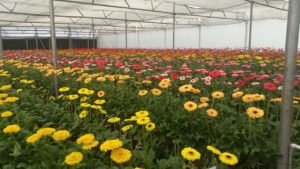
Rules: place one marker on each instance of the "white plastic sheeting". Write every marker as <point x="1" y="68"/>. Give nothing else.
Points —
<point x="266" y="34"/>
<point x="107" y="16"/>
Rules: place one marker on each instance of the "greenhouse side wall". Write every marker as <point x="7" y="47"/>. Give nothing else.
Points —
<point x="266" y="33"/>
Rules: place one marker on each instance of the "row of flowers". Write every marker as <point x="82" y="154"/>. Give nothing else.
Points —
<point x="142" y="109"/>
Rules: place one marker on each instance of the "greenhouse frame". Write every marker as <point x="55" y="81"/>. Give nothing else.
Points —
<point x="84" y="22"/>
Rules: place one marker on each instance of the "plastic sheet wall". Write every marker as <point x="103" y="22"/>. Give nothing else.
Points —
<point x="266" y="33"/>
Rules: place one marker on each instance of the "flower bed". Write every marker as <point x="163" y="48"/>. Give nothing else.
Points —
<point x="142" y="109"/>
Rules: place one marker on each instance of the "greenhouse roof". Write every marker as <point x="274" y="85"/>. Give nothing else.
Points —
<point x="111" y="16"/>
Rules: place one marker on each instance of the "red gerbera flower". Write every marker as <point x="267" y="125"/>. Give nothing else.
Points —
<point x="137" y="67"/>
<point x="174" y="76"/>
<point x="270" y="86"/>
<point x="215" y="73"/>
<point x="240" y="83"/>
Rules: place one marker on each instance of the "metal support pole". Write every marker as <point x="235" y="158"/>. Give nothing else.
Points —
<point x="250" y="29"/>
<point x="26" y="41"/>
<point x="36" y="40"/>
<point x="1" y="44"/>
<point x="53" y="42"/>
<point x="88" y="43"/>
<point x="286" y="113"/>
<point x="126" y="26"/>
<point x="165" y="38"/>
<point x="49" y="43"/>
<point x="199" y="37"/>
<point x="70" y="38"/>
<point x="116" y="40"/>
<point x="93" y="33"/>
<point x="138" y="36"/>
<point x="246" y="34"/>
<point x="174" y="13"/>
<point x="99" y="41"/>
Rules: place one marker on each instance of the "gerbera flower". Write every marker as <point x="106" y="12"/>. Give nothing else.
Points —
<point x="99" y="101"/>
<point x="6" y="114"/>
<point x="83" y="91"/>
<point x="90" y="145"/>
<point x="228" y="158"/>
<point x="101" y="79"/>
<point x="255" y="113"/>
<point x="185" y="88"/>
<point x="73" y="158"/>
<point x="213" y="150"/>
<point x="190" y="106"/>
<point x="142" y="120"/>
<point x="85" y="105"/>
<point x="202" y="105"/>
<point x="33" y="138"/>
<point x="73" y="97"/>
<point x="114" y="120"/>
<point x="120" y="155"/>
<point x="190" y="154"/>
<point x="111" y="145"/>
<point x="212" y="112"/>
<point x="101" y="94"/>
<point x="237" y="95"/>
<point x="83" y="114"/>
<point x="150" y="126"/>
<point x="269" y="86"/>
<point x="156" y="92"/>
<point x="61" y="135"/>
<point x="141" y="113"/>
<point x="46" y="131"/>
<point x="164" y="85"/>
<point x="64" y="89"/>
<point x="11" y="99"/>
<point x="217" y="95"/>
<point x="204" y="99"/>
<point x="247" y="98"/>
<point x="14" y="128"/>
<point x="126" y="128"/>
<point x="142" y="92"/>
<point x="85" y="139"/>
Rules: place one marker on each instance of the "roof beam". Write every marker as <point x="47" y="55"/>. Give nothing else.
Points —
<point x="10" y="10"/>
<point x="90" y="17"/>
<point x="267" y="5"/>
<point x="60" y="23"/>
<point x="146" y="10"/>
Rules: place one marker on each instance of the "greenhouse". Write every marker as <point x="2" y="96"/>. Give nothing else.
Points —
<point x="149" y="84"/>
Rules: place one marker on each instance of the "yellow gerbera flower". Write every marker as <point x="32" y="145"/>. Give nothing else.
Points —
<point x="121" y="155"/>
<point x="46" y="131"/>
<point x="64" y="89"/>
<point x="126" y="128"/>
<point x="142" y="120"/>
<point x="14" y="128"/>
<point x="6" y="114"/>
<point x="190" y="106"/>
<point x="111" y="145"/>
<point x="114" y="120"/>
<point x="213" y="150"/>
<point x="212" y="112"/>
<point x="190" y="154"/>
<point x="142" y="92"/>
<point x="33" y="138"/>
<point x="217" y="95"/>
<point x="85" y="139"/>
<point x="228" y="158"/>
<point x="255" y="113"/>
<point x="74" y="158"/>
<point x="150" y="126"/>
<point x="61" y="135"/>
